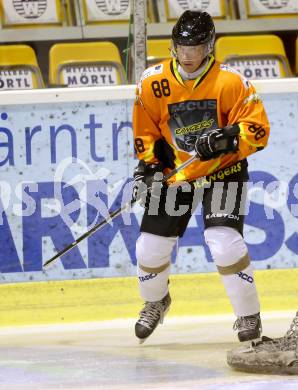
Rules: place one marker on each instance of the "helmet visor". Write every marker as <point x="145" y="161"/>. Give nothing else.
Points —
<point x="190" y="52"/>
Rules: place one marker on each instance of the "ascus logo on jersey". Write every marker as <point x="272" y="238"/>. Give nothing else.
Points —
<point x="30" y="9"/>
<point x="194" y="5"/>
<point x="113" y="7"/>
<point x="274" y="4"/>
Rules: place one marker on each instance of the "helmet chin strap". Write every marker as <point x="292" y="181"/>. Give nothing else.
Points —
<point x="192" y="76"/>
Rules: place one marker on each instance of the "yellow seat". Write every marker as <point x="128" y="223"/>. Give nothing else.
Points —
<point x="35" y="13"/>
<point x="172" y="9"/>
<point x="255" y="56"/>
<point x="269" y="9"/>
<point x="97" y="12"/>
<point x="19" y="68"/>
<point x="158" y="50"/>
<point x="85" y="64"/>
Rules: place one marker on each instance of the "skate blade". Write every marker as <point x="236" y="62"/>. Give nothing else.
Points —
<point x="164" y="314"/>
<point x="141" y="341"/>
<point x="250" y="343"/>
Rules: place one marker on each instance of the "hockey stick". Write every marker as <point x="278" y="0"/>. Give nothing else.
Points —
<point x="114" y="214"/>
<point x="229" y="131"/>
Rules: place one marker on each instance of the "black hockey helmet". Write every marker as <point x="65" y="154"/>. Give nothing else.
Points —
<point x="194" y="28"/>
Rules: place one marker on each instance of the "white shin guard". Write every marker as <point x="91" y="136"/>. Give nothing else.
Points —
<point x="229" y="253"/>
<point x="154" y="259"/>
<point x="242" y="292"/>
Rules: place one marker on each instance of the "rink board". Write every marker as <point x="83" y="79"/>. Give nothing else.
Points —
<point x="115" y="298"/>
<point x="49" y="198"/>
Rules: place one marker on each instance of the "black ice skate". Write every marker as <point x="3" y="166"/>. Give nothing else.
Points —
<point x="249" y="327"/>
<point x="151" y="315"/>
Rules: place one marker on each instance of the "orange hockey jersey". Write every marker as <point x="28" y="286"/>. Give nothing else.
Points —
<point x="176" y="111"/>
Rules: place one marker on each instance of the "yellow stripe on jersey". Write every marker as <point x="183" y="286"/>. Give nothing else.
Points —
<point x="210" y="63"/>
<point x="177" y="74"/>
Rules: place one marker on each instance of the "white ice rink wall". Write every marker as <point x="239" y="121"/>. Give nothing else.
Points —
<point x="65" y="157"/>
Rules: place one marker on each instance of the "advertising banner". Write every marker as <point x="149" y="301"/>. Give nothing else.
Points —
<point x="256" y="69"/>
<point x="98" y="10"/>
<point x="30" y="11"/>
<point x="87" y="76"/>
<point x="16" y="79"/>
<point x="177" y="7"/>
<point x="272" y="7"/>
<point x="64" y="166"/>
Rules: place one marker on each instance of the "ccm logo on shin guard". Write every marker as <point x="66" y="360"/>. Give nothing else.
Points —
<point x="147" y="277"/>
<point x="246" y="277"/>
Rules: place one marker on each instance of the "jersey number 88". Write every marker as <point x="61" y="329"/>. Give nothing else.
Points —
<point x="161" y="88"/>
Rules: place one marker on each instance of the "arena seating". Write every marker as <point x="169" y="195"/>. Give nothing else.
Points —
<point x="158" y="50"/>
<point x="35" y="13"/>
<point x="85" y="64"/>
<point x="261" y="56"/>
<point x="255" y="56"/>
<point x="19" y="68"/>
<point x="64" y="22"/>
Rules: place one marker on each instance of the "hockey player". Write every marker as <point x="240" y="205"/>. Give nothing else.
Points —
<point x="183" y="106"/>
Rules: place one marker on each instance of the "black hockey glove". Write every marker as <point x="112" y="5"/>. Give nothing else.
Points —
<point x="212" y="143"/>
<point x="143" y="180"/>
